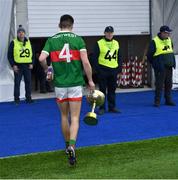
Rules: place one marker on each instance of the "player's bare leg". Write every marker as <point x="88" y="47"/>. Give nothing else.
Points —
<point x="64" y="109"/>
<point x="74" y="126"/>
<point x="75" y="115"/>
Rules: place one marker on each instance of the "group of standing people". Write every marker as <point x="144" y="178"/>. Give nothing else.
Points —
<point x="68" y="56"/>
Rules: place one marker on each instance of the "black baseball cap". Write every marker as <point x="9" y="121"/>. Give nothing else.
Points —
<point x="165" y="29"/>
<point x="109" y="29"/>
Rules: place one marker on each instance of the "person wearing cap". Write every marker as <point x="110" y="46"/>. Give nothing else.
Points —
<point x="161" y="56"/>
<point x="20" y="57"/>
<point x="107" y="62"/>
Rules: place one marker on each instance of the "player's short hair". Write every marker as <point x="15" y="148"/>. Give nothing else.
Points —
<point x="66" y="21"/>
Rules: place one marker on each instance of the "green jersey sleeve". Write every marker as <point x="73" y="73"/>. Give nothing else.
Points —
<point x="82" y="44"/>
<point x="47" y="46"/>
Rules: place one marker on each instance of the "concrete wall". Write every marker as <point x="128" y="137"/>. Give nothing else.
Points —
<point x="22" y="15"/>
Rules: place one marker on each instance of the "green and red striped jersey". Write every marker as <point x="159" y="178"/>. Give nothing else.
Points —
<point x="64" y="49"/>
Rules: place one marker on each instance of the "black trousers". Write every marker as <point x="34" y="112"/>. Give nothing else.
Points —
<point x="26" y="73"/>
<point x="107" y="81"/>
<point x="163" y="80"/>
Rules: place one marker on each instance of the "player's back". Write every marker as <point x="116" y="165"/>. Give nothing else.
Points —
<point x="62" y="38"/>
<point x="65" y="56"/>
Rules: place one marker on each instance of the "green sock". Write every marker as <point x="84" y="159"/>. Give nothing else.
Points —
<point x="67" y="144"/>
<point x="72" y="142"/>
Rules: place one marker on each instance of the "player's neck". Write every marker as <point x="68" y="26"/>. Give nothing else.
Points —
<point x="66" y="29"/>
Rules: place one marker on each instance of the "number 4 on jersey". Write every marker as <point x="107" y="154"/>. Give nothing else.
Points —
<point x="65" y="53"/>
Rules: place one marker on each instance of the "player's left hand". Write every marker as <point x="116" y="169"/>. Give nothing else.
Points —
<point x="91" y="85"/>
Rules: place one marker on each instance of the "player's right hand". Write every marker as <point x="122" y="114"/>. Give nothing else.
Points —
<point x="49" y="76"/>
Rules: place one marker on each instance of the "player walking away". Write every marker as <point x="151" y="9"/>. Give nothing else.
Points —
<point x="68" y="53"/>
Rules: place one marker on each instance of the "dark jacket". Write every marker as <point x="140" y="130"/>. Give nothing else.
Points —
<point x="161" y="61"/>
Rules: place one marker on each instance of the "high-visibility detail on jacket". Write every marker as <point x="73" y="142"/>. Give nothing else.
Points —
<point x="22" y="54"/>
<point x="108" y="53"/>
<point x="163" y="46"/>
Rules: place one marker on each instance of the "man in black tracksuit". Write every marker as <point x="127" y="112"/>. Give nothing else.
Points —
<point x="161" y="56"/>
<point x="107" y="62"/>
<point x="21" y="59"/>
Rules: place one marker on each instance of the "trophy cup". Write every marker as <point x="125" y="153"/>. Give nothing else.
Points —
<point x="96" y="98"/>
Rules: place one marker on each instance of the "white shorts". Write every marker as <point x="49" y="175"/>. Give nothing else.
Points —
<point x="69" y="94"/>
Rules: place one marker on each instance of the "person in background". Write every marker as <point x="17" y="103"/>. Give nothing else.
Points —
<point x="108" y="64"/>
<point x="161" y="56"/>
<point x="40" y="76"/>
<point x="20" y="57"/>
<point x="68" y="53"/>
